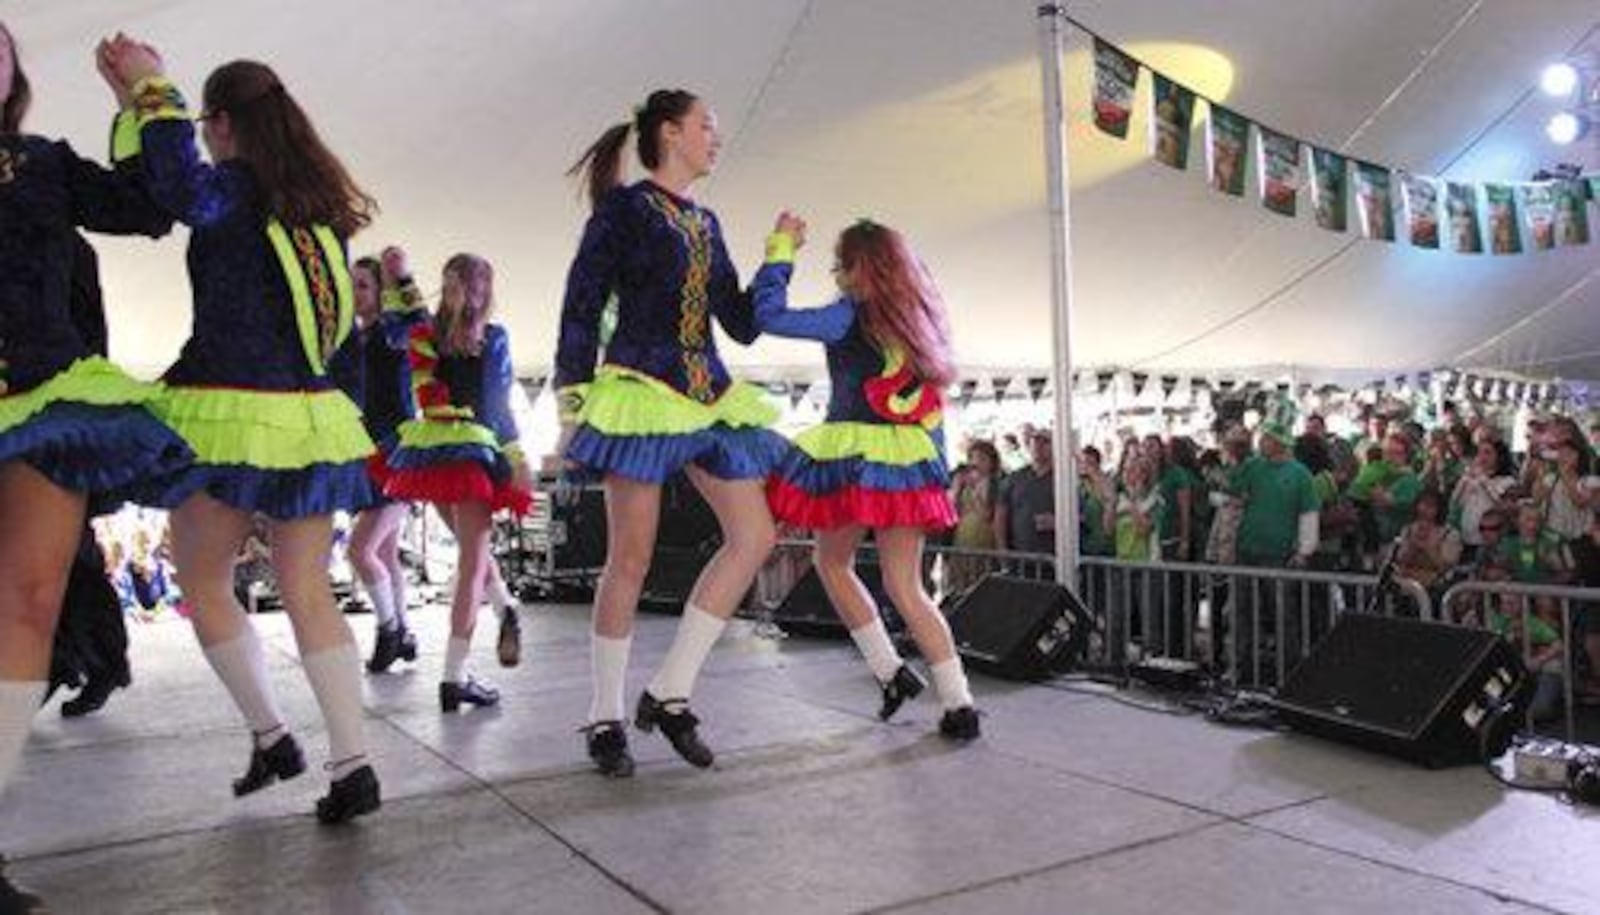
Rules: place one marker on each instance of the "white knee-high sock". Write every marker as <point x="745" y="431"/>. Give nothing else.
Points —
<point x="882" y="658"/>
<point x="397" y="583"/>
<point x="608" y="660"/>
<point x="19" y="700"/>
<point x="499" y="592"/>
<point x="950" y="682"/>
<point x="455" y="659"/>
<point x="241" y="665"/>
<point x="382" y="596"/>
<point x="335" y="675"/>
<point x="698" y="631"/>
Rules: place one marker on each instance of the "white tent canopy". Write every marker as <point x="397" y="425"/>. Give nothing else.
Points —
<point x="924" y="114"/>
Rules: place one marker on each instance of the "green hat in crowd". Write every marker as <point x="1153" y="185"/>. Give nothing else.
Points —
<point x="1279" y="432"/>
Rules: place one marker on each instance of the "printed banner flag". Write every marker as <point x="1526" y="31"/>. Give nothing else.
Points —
<point x="1228" y="137"/>
<point x="1330" y="189"/>
<point x="1593" y="181"/>
<point x="1572" y="213"/>
<point x="1375" y="201"/>
<point x="1504" y="235"/>
<point x="1279" y="171"/>
<point x="1466" y="233"/>
<point x="1172" y="115"/>
<point x="1539" y="209"/>
<point x="1421" y="197"/>
<point x="1115" y="74"/>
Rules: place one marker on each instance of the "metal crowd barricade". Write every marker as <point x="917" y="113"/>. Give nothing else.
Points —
<point x="1252" y="624"/>
<point x="1249" y="624"/>
<point x="1455" y="607"/>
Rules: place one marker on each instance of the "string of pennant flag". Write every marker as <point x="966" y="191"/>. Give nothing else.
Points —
<point x="1177" y="392"/>
<point x="1548" y="213"/>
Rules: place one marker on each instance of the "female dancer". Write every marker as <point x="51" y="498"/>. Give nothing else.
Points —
<point x="387" y="306"/>
<point x="462" y="454"/>
<point x="251" y="393"/>
<point x="663" y="402"/>
<point x="71" y="423"/>
<point x="877" y="462"/>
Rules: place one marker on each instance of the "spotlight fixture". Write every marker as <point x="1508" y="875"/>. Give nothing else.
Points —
<point x="1564" y="128"/>
<point x="1576" y="83"/>
<point x="1559" y="80"/>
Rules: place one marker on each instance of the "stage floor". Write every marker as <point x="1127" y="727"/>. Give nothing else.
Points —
<point x="1070" y="802"/>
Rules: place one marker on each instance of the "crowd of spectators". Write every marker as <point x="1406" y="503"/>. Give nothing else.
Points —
<point x="1443" y="505"/>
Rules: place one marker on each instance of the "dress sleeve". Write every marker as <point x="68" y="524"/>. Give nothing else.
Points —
<point x="192" y="191"/>
<point x="770" y="293"/>
<point x="590" y="281"/>
<point x="497" y="385"/>
<point x="115" y="200"/>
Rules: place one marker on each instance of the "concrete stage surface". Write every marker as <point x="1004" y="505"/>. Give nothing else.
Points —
<point x="1071" y="802"/>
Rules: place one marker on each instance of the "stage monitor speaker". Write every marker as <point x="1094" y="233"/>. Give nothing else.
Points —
<point x="1434" y="694"/>
<point x="1020" y="629"/>
<point x="581" y="514"/>
<point x="806" y="609"/>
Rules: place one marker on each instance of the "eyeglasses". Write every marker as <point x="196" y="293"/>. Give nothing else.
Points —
<point x="1490" y="528"/>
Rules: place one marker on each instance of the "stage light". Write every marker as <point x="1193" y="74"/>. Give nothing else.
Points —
<point x="1559" y="80"/>
<point x="1565" y="128"/>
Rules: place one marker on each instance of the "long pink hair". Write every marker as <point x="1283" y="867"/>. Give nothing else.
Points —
<point x="900" y="305"/>
<point x="460" y="328"/>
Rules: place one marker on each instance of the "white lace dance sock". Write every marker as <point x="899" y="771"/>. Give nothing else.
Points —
<point x="950" y="682"/>
<point x="19" y="700"/>
<point x="698" y="631"/>
<point x="398" y="584"/>
<point x="608" y="664"/>
<point x="241" y="665"/>
<point x="381" y="594"/>
<point x="882" y="658"/>
<point x="335" y="675"/>
<point x="455" y="659"/>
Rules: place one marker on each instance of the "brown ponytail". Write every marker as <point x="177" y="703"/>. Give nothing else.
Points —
<point x="600" y="166"/>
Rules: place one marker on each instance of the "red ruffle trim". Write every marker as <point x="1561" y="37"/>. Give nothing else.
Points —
<point x="930" y="508"/>
<point x="378" y="469"/>
<point x="451" y="484"/>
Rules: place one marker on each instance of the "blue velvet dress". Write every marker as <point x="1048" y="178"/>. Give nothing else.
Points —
<point x="64" y="409"/>
<point x="662" y="398"/>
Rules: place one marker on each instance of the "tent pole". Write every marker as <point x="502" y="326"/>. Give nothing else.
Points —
<point x="1051" y="50"/>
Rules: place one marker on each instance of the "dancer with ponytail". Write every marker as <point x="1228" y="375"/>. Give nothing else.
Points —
<point x="73" y="427"/>
<point x="877" y="462"/>
<point x="662" y="403"/>
<point x="462" y="453"/>
<point x="251" y="391"/>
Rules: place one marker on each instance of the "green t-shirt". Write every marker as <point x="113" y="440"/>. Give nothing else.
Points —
<point x="1403" y="486"/>
<point x="1276" y="494"/>
<point x="1174" y="480"/>
<point x="1538" y="561"/>
<point x="1096" y="542"/>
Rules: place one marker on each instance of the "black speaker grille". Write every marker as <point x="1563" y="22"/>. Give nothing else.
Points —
<point x="1390" y="674"/>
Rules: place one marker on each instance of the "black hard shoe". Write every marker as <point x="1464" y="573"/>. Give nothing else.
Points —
<point x="960" y="724"/>
<point x="509" y="645"/>
<point x="89" y="700"/>
<point x="408" y="644"/>
<point x="471" y="692"/>
<point x="677" y="724"/>
<point x="279" y="762"/>
<point x="608" y="747"/>
<point x="14" y="900"/>
<point x="350" y="797"/>
<point x="385" y="650"/>
<point x="906" y="684"/>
